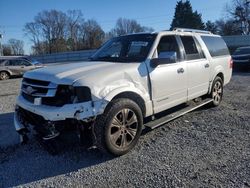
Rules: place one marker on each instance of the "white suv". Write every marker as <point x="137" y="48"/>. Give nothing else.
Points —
<point x="129" y="80"/>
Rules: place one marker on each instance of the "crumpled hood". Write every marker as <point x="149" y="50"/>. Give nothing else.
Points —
<point x="72" y="72"/>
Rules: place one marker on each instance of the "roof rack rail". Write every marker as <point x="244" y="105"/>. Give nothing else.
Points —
<point x="191" y="30"/>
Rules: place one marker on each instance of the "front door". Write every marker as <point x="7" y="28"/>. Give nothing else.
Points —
<point x="168" y="81"/>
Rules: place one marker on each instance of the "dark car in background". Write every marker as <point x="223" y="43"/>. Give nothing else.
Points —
<point x="241" y="58"/>
<point x="17" y="66"/>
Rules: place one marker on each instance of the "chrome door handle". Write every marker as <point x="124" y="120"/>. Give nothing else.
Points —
<point x="206" y="65"/>
<point x="180" y="70"/>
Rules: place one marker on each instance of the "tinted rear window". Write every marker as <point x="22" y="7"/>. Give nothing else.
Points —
<point x="216" y="46"/>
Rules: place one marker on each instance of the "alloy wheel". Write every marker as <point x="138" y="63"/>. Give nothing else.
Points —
<point x="4" y="76"/>
<point x="217" y="92"/>
<point x="123" y="129"/>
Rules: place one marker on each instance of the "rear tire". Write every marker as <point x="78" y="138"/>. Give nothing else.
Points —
<point x="4" y="75"/>
<point x="216" y="91"/>
<point x="118" y="130"/>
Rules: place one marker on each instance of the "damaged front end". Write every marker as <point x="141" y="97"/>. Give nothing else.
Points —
<point x="50" y="109"/>
<point x="24" y="120"/>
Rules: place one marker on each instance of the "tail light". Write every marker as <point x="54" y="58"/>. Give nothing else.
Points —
<point x="231" y="63"/>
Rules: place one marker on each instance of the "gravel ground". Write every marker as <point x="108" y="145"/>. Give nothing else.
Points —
<point x="205" y="148"/>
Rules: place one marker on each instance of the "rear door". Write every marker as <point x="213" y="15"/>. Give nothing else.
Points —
<point x="198" y="67"/>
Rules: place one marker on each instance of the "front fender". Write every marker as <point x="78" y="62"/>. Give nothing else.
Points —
<point x="119" y="90"/>
<point x="112" y="91"/>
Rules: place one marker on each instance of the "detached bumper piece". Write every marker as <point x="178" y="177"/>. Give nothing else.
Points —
<point x="24" y="120"/>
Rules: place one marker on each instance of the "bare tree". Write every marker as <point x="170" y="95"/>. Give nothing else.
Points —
<point x="93" y="35"/>
<point x="240" y="12"/>
<point x="7" y="50"/>
<point x="75" y="21"/>
<point x="55" y="31"/>
<point x="48" y="31"/>
<point x="227" y="27"/>
<point x="33" y="31"/>
<point x="128" y="26"/>
<point x="17" y="46"/>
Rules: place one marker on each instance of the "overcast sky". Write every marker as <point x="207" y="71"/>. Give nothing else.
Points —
<point x="157" y="14"/>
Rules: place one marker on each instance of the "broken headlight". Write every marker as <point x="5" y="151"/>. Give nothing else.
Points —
<point x="73" y="94"/>
<point x="68" y="95"/>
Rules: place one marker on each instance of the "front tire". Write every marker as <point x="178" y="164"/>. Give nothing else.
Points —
<point x="118" y="130"/>
<point x="217" y="92"/>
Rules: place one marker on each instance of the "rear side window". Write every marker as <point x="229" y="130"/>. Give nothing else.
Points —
<point x="9" y="63"/>
<point x="190" y="48"/>
<point x="13" y="63"/>
<point x="216" y="46"/>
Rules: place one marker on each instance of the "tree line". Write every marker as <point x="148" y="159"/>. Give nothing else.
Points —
<point x="237" y="21"/>
<point x="54" y="31"/>
<point x="13" y="47"/>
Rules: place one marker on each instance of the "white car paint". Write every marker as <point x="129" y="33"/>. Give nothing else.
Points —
<point x="108" y="79"/>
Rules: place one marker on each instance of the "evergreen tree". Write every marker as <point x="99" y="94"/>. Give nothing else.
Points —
<point x="212" y="27"/>
<point x="185" y="17"/>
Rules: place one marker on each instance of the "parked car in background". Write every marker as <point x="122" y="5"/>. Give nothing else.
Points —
<point x="241" y="58"/>
<point x="17" y="66"/>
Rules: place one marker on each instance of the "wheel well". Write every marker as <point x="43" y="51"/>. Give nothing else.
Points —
<point x="218" y="75"/>
<point x="221" y="76"/>
<point x="5" y="71"/>
<point x="134" y="97"/>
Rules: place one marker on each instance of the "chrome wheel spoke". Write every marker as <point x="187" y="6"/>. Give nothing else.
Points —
<point x="214" y="94"/>
<point x="219" y="91"/>
<point x="125" y="113"/>
<point x="132" y="120"/>
<point x="115" y="136"/>
<point x="131" y="132"/>
<point x="123" y="140"/>
<point x="116" y="122"/>
<point x="218" y="98"/>
<point x="215" y="98"/>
